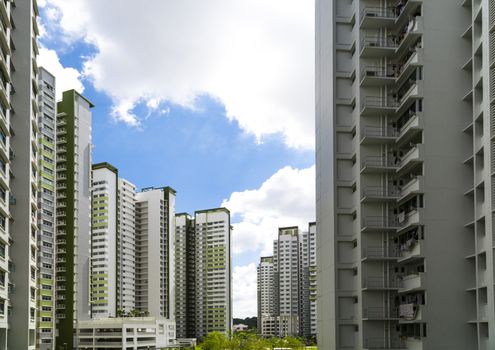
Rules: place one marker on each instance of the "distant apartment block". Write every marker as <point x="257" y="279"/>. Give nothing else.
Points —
<point x="287" y="285"/>
<point x="126" y="239"/>
<point x="405" y="126"/>
<point x="155" y="252"/>
<point x="204" y="245"/>
<point x="307" y="275"/>
<point x="267" y="320"/>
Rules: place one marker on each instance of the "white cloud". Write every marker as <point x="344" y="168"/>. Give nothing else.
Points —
<point x="66" y="77"/>
<point x="244" y="291"/>
<point x="287" y="198"/>
<point x="256" y="57"/>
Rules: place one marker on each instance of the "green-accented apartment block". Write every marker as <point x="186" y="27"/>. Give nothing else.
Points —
<point x="47" y="215"/>
<point x="73" y="215"/>
<point x="203" y="273"/>
<point x="104" y="240"/>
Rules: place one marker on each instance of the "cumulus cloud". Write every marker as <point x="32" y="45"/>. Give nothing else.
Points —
<point x="66" y="77"/>
<point x="287" y="198"/>
<point x="256" y="57"/>
<point x="244" y="291"/>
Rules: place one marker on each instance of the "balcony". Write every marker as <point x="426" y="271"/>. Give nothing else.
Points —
<point x="410" y="251"/>
<point x="380" y="223"/>
<point x="410" y="128"/>
<point x="379" y="194"/>
<point x="380" y="253"/>
<point x="378" y="164"/>
<point x="384" y="344"/>
<point x="412" y="188"/>
<point x="377" y="76"/>
<point x="387" y="17"/>
<point x="378" y="134"/>
<point x="376" y="105"/>
<point x="412" y="283"/>
<point x="377" y="17"/>
<point x="410" y="313"/>
<point x="409" y="220"/>
<point x="381" y="283"/>
<point x="411" y="33"/>
<point x="377" y="46"/>
<point x="412" y="91"/>
<point x="380" y="313"/>
<point x="413" y="157"/>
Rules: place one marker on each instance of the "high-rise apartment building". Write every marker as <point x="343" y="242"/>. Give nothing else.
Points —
<point x="185" y="272"/>
<point x="155" y="252"/>
<point x="307" y="277"/>
<point x="104" y="228"/>
<point x="19" y="173"/>
<point x="288" y="283"/>
<point x="73" y="229"/>
<point x="405" y="162"/>
<point x="213" y="271"/>
<point x="267" y="320"/>
<point x="126" y="264"/>
<point x="203" y="245"/>
<point x="46" y="211"/>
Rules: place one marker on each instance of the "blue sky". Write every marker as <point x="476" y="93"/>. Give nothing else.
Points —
<point x="209" y="141"/>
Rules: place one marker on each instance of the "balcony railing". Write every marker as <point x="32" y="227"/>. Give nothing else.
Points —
<point x="380" y="192"/>
<point x="377" y="41"/>
<point x="380" y="282"/>
<point x="378" y="162"/>
<point x="378" y="102"/>
<point x="379" y="132"/>
<point x="380" y="252"/>
<point x="381" y="313"/>
<point x="378" y="12"/>
<point x="381" y="222"/>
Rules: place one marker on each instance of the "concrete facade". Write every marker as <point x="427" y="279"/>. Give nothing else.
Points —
<point x="404" y="165"/>
<point x="19" y="121"/>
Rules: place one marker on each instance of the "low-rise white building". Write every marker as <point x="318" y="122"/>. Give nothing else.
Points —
<point x="126" y="333"/>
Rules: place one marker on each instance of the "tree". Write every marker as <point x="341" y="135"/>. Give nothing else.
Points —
<point x="120" y="313"/>
<point x="215" y="341"/>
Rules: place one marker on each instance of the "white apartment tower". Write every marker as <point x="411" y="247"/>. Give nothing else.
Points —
<point x="287" y="285"/>
<point x="104" y="228"/>
<point x="73" y="216"/>
<point x="267" y="320"/>
<point x="46" y="211"/>
<point x="126" y="265"/>
<point x="155" y="252"/>
<point x="307" y="276"/>
<point x="405" y="159"/>
<point x="19" y="172"/>
<point x="213" y="271"/>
